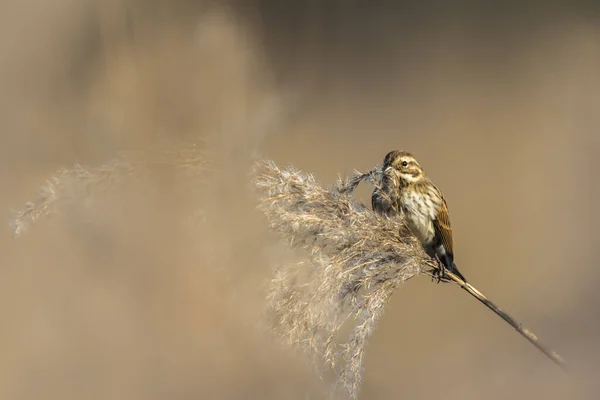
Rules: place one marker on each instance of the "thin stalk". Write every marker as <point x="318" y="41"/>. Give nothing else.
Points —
<point x="526" y="333"/>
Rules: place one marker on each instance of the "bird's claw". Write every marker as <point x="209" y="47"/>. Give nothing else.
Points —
<point x="440" y="272"/>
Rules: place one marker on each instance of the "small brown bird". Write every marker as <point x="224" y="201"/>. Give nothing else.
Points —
<point x="404" y="189"/>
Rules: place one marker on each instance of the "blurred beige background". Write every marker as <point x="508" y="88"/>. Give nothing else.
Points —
<point x="122" y="301"/>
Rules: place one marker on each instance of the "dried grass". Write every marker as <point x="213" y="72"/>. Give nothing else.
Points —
<point x="78" y="185"/>
<point x="357" y="260"/>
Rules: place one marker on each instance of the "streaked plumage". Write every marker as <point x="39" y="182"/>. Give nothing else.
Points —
<point x="405" y="189"/>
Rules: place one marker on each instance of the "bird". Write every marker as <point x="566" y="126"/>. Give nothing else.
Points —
<point x="404" y="189"/>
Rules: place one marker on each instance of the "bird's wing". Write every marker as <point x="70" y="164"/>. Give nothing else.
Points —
<point x="443" y="228"/>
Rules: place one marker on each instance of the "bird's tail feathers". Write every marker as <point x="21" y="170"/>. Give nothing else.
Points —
<point x="454" y="269"/>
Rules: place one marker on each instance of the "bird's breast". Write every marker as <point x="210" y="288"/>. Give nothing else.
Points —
<point x="419" y="215"/>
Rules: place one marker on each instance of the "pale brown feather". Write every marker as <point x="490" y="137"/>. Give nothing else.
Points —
<point x="443" y="227"/>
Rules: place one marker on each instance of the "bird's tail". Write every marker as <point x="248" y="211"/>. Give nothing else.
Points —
<point x="454" y="269"/>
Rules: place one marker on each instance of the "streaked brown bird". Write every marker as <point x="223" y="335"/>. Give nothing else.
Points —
<point x="405" y="189"/>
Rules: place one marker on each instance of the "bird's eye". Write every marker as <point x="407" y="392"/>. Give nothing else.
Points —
<point x="404" y="163"/>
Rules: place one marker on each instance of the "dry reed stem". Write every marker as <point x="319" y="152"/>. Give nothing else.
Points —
<point x="526" y="333"/>
<point x="356" y="261"/>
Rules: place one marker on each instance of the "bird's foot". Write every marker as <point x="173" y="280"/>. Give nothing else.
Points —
<point x="440" y="272"/>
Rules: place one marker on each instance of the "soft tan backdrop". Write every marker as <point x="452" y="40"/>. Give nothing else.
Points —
<point x="122" y="301"/>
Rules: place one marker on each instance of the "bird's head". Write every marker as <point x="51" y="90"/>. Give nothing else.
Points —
<point x="404" y="165"/>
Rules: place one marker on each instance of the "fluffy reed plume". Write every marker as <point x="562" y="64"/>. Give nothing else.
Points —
<point x="357" y="260"/>
<point x="78" y="185"/>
